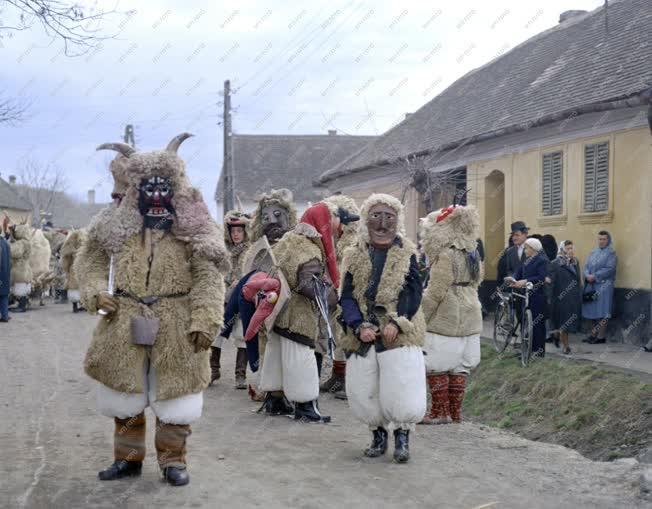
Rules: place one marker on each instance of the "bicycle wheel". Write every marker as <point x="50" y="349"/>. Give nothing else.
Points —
<point x="526" y="338"/>
<point x="502" y="329"/>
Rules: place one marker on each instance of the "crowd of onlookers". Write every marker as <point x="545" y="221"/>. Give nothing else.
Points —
<point x="563" y="294"/>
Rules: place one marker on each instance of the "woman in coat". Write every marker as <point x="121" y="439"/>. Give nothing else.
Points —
<point x="566" y="301"/>
<point x="599" y="277"/>
<point x="534" y="270"/>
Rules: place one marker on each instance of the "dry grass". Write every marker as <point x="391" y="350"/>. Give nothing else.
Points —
<point x="601" y="413"/>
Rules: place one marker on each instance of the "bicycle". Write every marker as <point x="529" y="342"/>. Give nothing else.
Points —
<point x="507" y="321"/>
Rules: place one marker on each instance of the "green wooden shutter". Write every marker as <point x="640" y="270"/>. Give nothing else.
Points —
<point x="596" y="177"/>
<point x="552" y="184"/>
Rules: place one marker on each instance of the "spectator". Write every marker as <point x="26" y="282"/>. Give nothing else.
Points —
<point x="599" y="279"/>
<point x="513" y="257"/>
<point x="533" y="270"/>
<point x="566" y="302"/>
<point x="5" y="276"/>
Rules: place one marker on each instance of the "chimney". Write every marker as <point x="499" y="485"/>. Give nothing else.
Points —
<point x="91" y="196"/>
<point x="12" y="179"/>
<point x="566" y="15"/>
<point x="332" y="132"/>
<point x="407" y="115"/>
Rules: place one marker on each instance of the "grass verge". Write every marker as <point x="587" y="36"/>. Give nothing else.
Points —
<point x="602" y="413"/>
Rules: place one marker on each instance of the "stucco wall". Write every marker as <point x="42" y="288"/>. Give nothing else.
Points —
<point x="15" y="216"/>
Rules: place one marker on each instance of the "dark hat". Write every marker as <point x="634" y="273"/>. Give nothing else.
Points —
<point x="347" y="217"/>
<point x="518" y="226"/>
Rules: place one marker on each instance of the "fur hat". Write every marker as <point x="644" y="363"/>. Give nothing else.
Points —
<point x="460" y="228"/>
<point x="281" y="197"/>
<point x="376" y="199"/>
<point x="234" y="218"/>
<point x="192" y="223"/>
<point x="118" y="168"/>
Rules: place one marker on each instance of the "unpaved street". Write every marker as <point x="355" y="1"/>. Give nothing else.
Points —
<point x="54" y="443"/>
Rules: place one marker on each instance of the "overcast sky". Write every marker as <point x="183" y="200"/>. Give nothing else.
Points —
<point x="298" y="67"/>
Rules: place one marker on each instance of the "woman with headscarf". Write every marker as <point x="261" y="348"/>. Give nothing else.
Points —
<point x="566" y="301"/>
<point x="599" y="277"/>
<point x="534" y="271"/>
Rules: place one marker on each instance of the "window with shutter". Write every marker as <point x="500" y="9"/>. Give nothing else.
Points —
<point x="552" y="184"/>
<point x="596" y="177"/>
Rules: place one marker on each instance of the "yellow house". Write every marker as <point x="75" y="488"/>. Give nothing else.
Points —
<point x="17" y="209"/>
<point x="557" y="133"/>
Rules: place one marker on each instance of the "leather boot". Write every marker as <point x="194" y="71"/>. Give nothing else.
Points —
<point x="170" y="441"/>
<point x="276" y="404"/>
<point x="75" y="307"/>
<point x="456" y="388"/>
<point x="309" y="412"/>
<point x="378" y="445"/>
<point x="128" y="448"/>
<point x="216" y="353"/>
<point x="22" y="305"/>
<point x="439" y="400"/>
<point x="241" y="369"/>
<point x="401" y="445"/>
<point x="336" y="382"/>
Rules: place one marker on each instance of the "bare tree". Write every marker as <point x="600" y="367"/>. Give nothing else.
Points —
<point x="12" y="111"/>
<point x="42" y="186"/>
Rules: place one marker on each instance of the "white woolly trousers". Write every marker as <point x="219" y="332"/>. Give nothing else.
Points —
<point x="237" y="335"/>
<point x="182" y="410"/>
<point x="448" y="354"/>
<point x="290" y="367"/>
<point x="387" y="388"/>
<point x="21" y="289"/>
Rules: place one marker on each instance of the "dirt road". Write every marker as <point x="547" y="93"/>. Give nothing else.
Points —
<point x="55" y="443"/>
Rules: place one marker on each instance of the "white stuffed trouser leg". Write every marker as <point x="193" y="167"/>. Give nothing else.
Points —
<point x="402" y="386"/>
<point x="271" y="374"/>
<point x="300" y="377"/>
<point x="451" y="354"/>
<point x="238" y="335"/>
<point x="182" y="410"/>
<point x="362" y="389"/>
<point x="470" y="356"/>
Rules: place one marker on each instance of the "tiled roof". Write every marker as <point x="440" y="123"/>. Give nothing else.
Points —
<point x="575" y="64"/>
<point x="263" y="162"/>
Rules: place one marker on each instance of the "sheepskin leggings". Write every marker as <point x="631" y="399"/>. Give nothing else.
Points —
<point x="170" y="441"/>
<point x="129" y="438"/>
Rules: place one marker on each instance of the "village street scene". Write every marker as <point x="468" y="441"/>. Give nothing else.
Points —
<point x="312" y="253"/>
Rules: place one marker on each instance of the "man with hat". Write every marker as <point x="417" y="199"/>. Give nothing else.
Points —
<point x="514" y="256"/>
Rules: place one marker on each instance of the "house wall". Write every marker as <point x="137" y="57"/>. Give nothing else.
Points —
<point x="15" y="216"/>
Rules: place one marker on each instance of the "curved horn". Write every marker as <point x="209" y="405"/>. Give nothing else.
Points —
<point x="173" y="146"/>
<point x="125" y="149"/>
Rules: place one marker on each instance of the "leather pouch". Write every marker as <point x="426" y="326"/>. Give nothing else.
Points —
<point x="144" y="330"/>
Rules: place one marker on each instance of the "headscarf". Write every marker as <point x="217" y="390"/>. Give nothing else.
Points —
<point x="319" y="217"/>
<point x="563" y="259"/>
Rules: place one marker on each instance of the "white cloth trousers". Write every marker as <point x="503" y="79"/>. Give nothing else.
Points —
<point x="182" y="410"/>
<point x="388" y="388"/>
<point x="447" y="354"/>
<point x="291" y="367"/>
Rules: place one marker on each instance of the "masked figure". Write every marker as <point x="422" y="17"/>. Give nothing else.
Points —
<point x="69" y="251"/>
<point x="451" y="307"/>
<point x="275" y="214"/>
<point x="380" y="298"/>
<point x="235" y="238"/>
<point x="306" y="256"/>
<point x="21" y="271"/>
<point x="56" y="238"/>
<point x="165" y="258"/>
<point x="347" y="235"/>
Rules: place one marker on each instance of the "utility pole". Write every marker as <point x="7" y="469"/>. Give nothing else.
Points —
<point x="227" y="164"/>
<point x="129" y="135"/>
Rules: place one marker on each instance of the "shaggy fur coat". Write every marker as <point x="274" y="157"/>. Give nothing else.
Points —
<point x="68" y="252"/>
<point x="21" y="271"/>
<point x="357" y="262"/>
<point x="450" y="302"/>
<point x="295" y="248"/>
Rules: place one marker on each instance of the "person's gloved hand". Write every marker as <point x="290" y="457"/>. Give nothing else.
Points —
<point x="201" y="340"/>
<point x="107" y="302"/>
<point x="305" y="273"/>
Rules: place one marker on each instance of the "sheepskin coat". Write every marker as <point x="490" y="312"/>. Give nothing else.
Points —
<point x="198" y="290"/>
<point x="20" y="246"/>
<point x="450" y="302"/>
<point x="300" y="315"/>
<point x="68" y="252"/>
<point x="357" y="262"/>
<point x="39" y="258"/>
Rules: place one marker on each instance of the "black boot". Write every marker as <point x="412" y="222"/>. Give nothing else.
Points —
<point x="22" y="305"/>
<point x="176" y="476"/>
<point x="276" y="404"/>
<point x="216" y="354"/>
<point x="75" y="307"/>
<point x="241" y="369"/>
<point x="401" y="445"/>
<point x="120" y="469"/>
<point x="378" y="445"/>
<point x="309" y="412"/>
